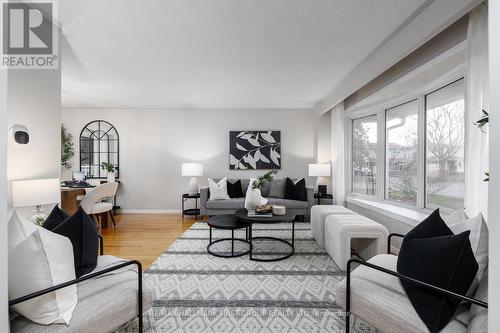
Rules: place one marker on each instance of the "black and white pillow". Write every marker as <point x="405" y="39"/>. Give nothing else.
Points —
<point x="296" y="190"/>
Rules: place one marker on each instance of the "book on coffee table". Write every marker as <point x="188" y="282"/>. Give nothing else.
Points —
<point x="253" y="213"/>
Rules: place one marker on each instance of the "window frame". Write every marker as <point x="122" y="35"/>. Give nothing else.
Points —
<point x="380" y="111"/>
<point x="386" y="110"/>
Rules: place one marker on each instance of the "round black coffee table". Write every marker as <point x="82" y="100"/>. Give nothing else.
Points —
<point x="228" y="222"/>
<point x="242" y="215"/>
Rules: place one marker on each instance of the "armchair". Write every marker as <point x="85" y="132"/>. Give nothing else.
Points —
<point x="105" y="299"/>
<point x="381" y="301"/>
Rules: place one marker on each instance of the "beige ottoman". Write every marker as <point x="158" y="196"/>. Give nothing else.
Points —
<point x="368" y="237"/>
<point x="318" y="216"/>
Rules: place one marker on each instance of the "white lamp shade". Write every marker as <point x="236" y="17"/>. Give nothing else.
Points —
<point x="319" y="170"/>
<point x="192" y="169"/>
<point x="36" y="192"/>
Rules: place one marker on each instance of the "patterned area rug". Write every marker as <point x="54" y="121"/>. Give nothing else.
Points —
<point x="198" y="292"/>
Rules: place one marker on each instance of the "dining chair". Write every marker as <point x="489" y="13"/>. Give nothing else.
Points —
<point x="96" y="201"/>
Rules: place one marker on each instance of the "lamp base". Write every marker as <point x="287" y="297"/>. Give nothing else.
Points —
<point x="38" y="216"/>
<point x="193" y="185"/>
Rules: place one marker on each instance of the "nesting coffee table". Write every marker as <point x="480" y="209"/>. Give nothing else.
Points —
<point x="242" y="215"/>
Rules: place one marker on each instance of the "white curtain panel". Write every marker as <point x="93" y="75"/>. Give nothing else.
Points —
<point x="338" y="157"/>
<point x="476" y="189"/>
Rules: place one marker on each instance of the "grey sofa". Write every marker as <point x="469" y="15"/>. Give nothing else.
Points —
<point x="105" y="302"/>
<point x="220" y="207"/>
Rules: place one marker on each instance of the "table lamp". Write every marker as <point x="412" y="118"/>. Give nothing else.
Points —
<point x="192" y="170"/>
<point x="320" y="170"/>
<point x="26" y="193"/>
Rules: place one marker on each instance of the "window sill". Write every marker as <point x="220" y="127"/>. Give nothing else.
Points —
<point x="405" y="215"/>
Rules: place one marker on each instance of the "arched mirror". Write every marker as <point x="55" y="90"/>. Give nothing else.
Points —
<point x="99" y="142"/>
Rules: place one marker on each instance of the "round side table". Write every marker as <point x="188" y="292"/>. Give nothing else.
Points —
<point x="192" y="211"/>
<point x="227" y="222"/>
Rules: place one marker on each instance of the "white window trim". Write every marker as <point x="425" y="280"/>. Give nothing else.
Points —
<point x="379" y="110"/>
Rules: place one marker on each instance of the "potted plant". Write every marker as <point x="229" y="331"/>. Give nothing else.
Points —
<point x="111" y="169"/>
<point x="253" y="196"/>
<point x="67" y="147"/>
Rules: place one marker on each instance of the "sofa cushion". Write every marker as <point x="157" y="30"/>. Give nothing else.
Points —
<point x="104" y="303"/>
<point x="265" y="189"/>
<point x="293" y="204"/>
<point x="56" y="217"/>
<point x="432" y="253"/>
<point x="42" y="260"/>
<point x="218" y="189"/>
<point x="380" y="300"/>
<point x="236" y="203"/>
<point x="234" y="189"/>
<point x="296" y="190"/>
<point x="82" y="233"/>
<point x="277" y="188"/>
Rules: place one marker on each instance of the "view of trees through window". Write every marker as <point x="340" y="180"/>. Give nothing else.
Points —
<point x="445" y="147"/>
<point x="364" y="155"/>
<point x="442" y="158"/>
<point x="401" y="152"/>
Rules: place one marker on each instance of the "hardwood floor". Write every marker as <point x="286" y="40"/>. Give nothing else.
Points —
<point x="143" y="236"/>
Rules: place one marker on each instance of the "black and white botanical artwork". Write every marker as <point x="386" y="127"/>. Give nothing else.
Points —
<point x="254" y="150"/>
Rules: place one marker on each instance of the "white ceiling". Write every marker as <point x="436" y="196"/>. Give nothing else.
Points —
<point x="217" y="53"/>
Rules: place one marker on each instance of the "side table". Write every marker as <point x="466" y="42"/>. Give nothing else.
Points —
<point x="322" y="196"/>
<point x="192" y="211"/>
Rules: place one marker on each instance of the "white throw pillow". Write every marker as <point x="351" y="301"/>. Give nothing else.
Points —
<point x="218" y="191"/>
<point x="478" y="240"/>
<point x="42" y="260"/>
<point x="455" y="217"/>
<point x="19" y="229"/>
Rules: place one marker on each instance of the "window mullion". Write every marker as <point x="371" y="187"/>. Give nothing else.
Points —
<point x="381" y="155"/>
<point x="421" y="152"/>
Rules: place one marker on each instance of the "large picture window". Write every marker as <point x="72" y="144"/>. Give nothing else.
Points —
<point x="417" y="147"/>
<point x="444" y="163"/>
<point x="364" y="155"/>
<point x="401" y="152"/>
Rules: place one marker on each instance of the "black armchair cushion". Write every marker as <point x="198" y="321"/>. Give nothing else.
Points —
<point x="56" y="217"/>
<point x="234" y="190"/>
<point x="433" y="254"/>
<point x="83" y="235"/>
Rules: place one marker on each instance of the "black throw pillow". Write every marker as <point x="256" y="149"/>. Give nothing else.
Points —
<point x="234" y="190"/>
<point x="431" y="253"/>
<point x="296" y="191"/>
<point x="56" y="217"/>
<point x="82" y="233"/>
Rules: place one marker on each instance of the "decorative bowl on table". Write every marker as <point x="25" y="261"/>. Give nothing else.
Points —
<point x="279" y="210"/>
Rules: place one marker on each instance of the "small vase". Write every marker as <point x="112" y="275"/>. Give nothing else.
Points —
<point x="253" y="199"/>
<point x="111" y="177"/>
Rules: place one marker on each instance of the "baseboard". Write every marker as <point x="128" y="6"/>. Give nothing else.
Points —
<point x="150" y="211"/>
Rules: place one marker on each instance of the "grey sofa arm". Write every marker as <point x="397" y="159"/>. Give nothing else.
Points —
<point x="310" y="198"/>
<point x="204" y="195"/>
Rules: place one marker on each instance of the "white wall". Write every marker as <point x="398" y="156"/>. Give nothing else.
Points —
<point x="324" y="150"/>
<point x="154" y="143"/>
<point x="494" y="186"/>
